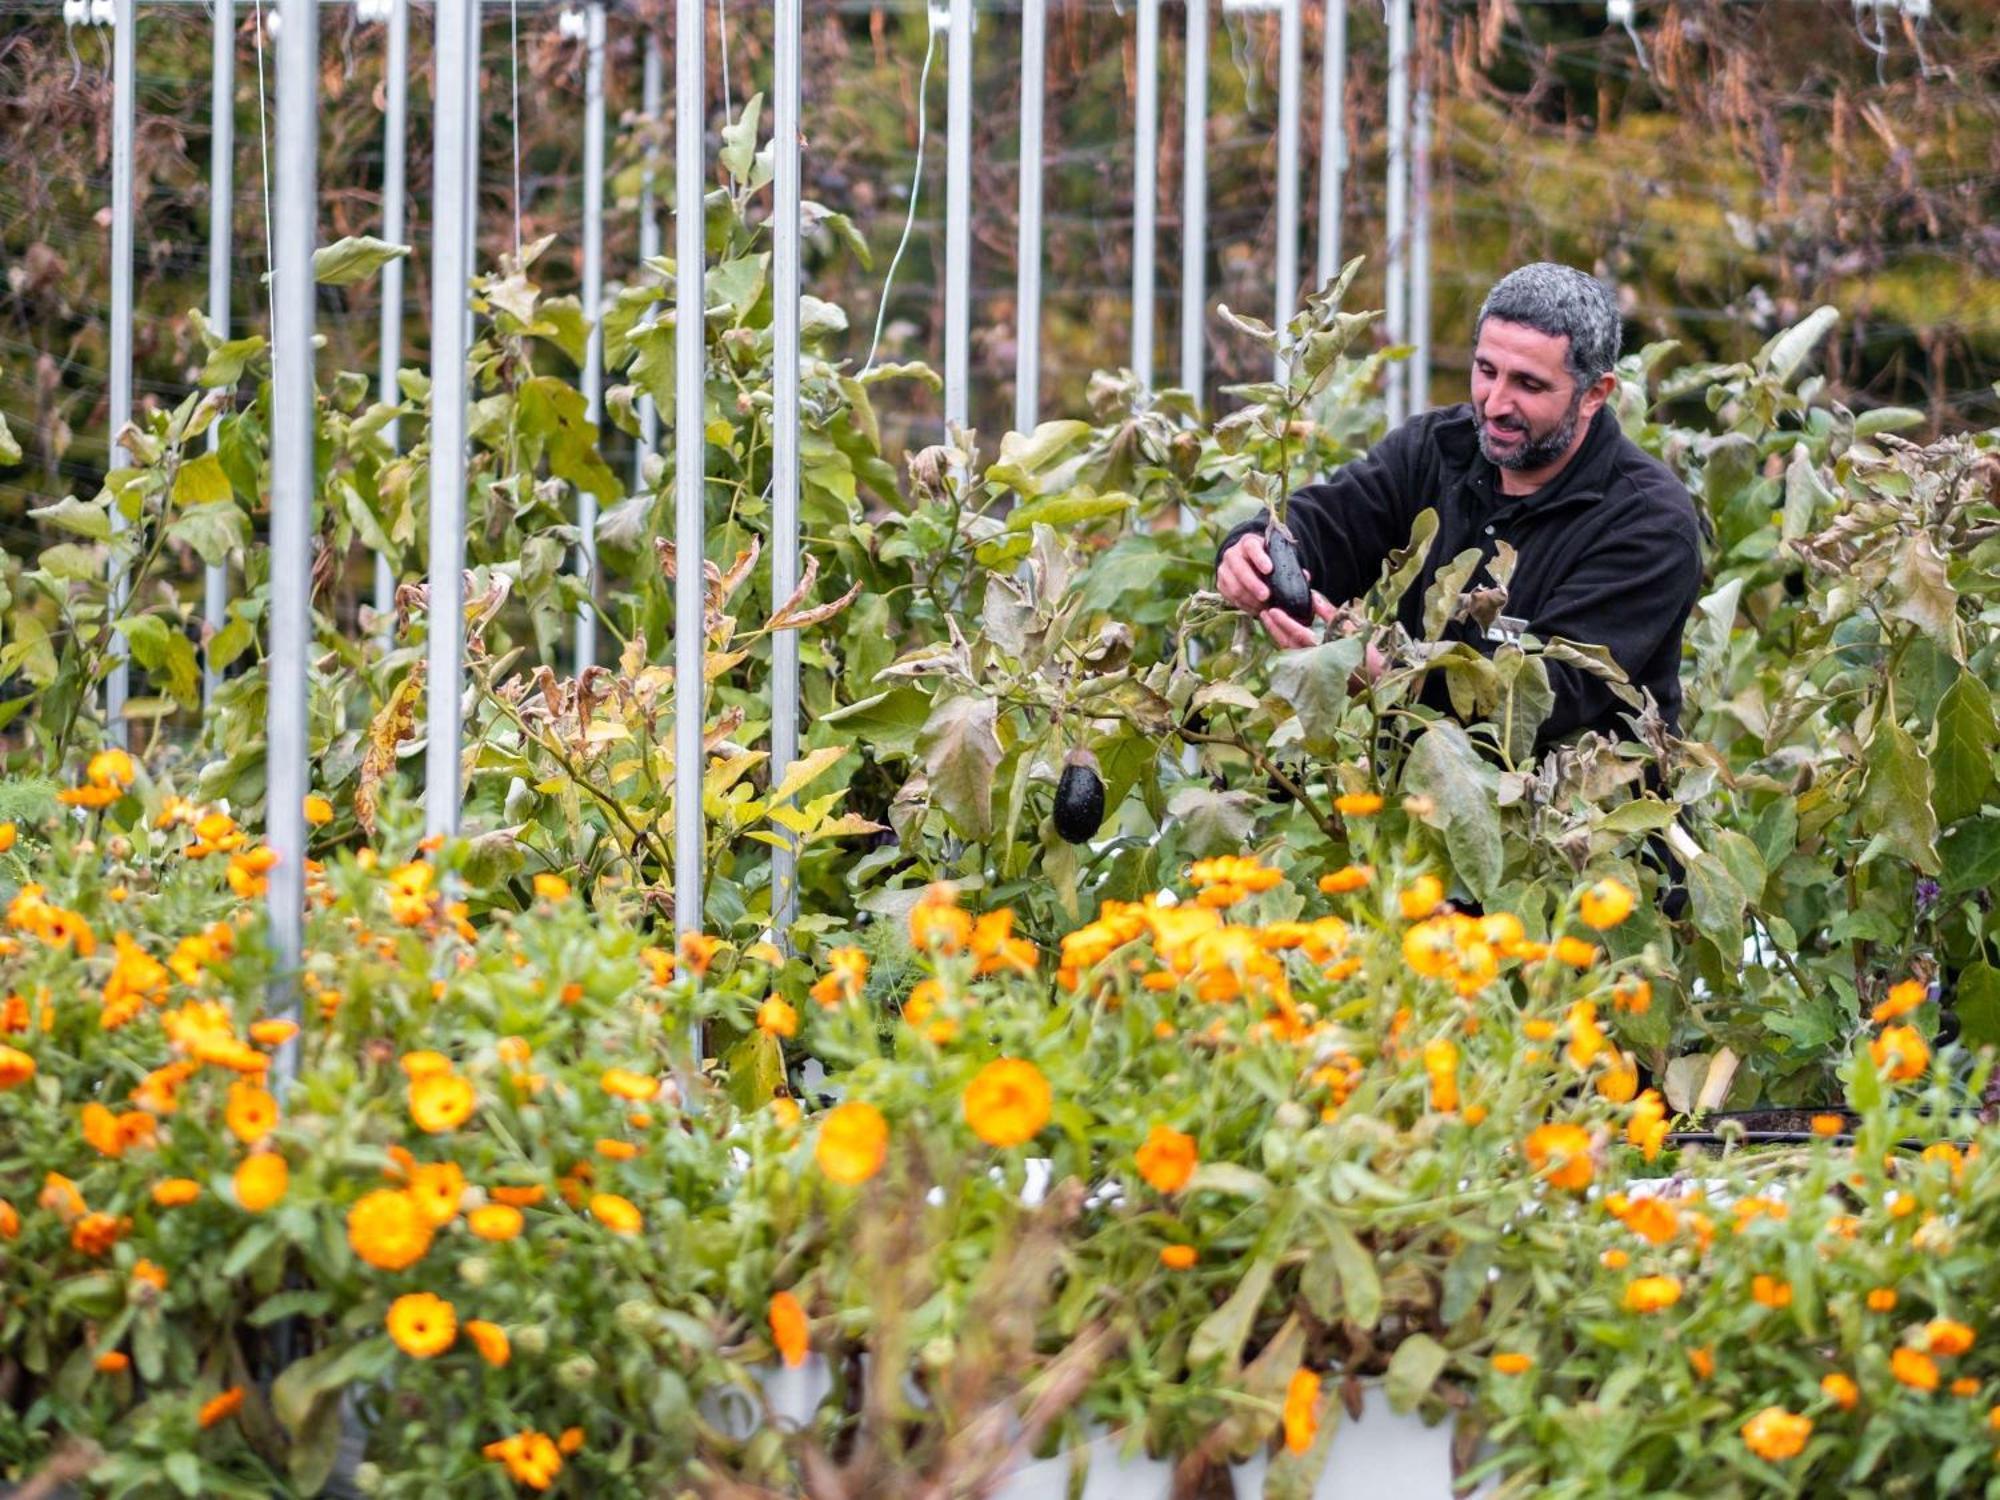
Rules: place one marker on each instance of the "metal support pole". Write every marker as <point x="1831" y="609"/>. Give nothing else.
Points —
<point x="1420" y="254"/>
<point x="787" y="42"/>
<point x="1145" y="191"/>
<point x="1290" y="44"/>
<point x="1394" y="301"/>
<point x="395" y="135"/>
<point x="221" y="211"/>
<point x="295" y="216"/>
<point x="451" y="273"/>
<point x="1194" y="205"/>
<point x="1028" y="245"/>
<point x="690" y="369"/>
<point x="1332" y="137"/>
<point x="124" y="111"/>
<point x="593" y="313"/>
<point x="649" y="243"/>
<point x="958" y="214"/>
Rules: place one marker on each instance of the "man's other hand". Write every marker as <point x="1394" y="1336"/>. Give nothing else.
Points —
<point x="1240" y="580"/>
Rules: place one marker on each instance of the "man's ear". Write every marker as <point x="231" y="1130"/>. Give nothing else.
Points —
<point x="1599" y="393"/>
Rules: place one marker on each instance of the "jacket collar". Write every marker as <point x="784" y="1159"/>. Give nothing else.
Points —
<point x="1583" y="479"/>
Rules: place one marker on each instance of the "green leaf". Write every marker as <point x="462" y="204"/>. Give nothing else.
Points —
<point x="184" y="1469"/>
<point x="1970" y="856"/>
<point x="1413" y="1369"/>
<point x="552" y="416"/>
<point x="86" y="518"/>
<point x="1211" y="822"/>
<point x="1806" y="496"/>
<point x="739" y="140"/>
<point x="1783" y="355"/>
<point x="1028" y="460"/>
<point x="306" y="1302"/>
<point x="231" y="641"/>
<point x="1716" y="904"/>
<point x="201" y="481"/>
<point x="1314" y="682"/>
<point x="1976" y="999"/>
<point x="1922" y="591"/>
<point x="1360" y="1283"/>
<point x="1220" y="1335"/>
<point x="1640" y="815"/>
<point x="1403" y="565"/>
<point x="1461" y="786"/>
<point x="1962" y="750"/>
<point x="1228" y="1177"/>
<point x="961" y="751"/>
<point x="10" y="449"/>
<point x="1069" y="510"/>
<point x="353" y="259"/>
<point x="213" y="531"/>
<point x="1441" y="598"/>
<point x="1888" y="419"/>
<point x="1896" y="797"/>
<point x="755" y="1069"/>
<point x="226" y="362"/>
<point x="164" y="652"/>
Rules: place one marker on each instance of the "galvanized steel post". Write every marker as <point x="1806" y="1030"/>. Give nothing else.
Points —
<point x="451" y="272"/>
<point x="124" y="111"/>
<point x="395" y="135"/>
<point x="1145" y="190"/>
<point x="1290" y="44"/>
<point x="593" y="314"/>
<point x="221" y="213"/>
<point x="1028" y="243"/>
<point x="1194" y="204"/>
<point x="690" y="369"/>
<point x="1332" y="137"/>
<point x="295" y="216"/>
<point x="958" y="214"/>
<point x="1394" y="302"/>
<point x="649" y="241"/>
<point x="786" y="42"/>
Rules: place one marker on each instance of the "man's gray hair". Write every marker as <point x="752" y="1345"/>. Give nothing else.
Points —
<point x="1560" y="301"/>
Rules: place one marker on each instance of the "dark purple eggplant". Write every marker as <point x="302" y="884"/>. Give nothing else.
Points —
<point x="1079" y="798"/>
<point x="1287" y="578"/>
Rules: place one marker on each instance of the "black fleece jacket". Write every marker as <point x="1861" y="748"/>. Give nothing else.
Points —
<point x="1609" y="551"/>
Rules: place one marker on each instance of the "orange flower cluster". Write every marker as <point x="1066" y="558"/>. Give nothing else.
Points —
<point x="440" y="1099"/>
<point x="845" y="978"/>
<point x="1167" y="1159"/>
<point x="1777" y="1434"/>
<point x="1441" y="1068"/>
<point x="105" y="778"/>
<point x="137" y="979"/>
<point x="531" y="1458"/>
<point x="1229" y="878"/>
<point x="1561" y="1153"/>
<point x="1008" y="1102"/>
<point x="853" y="1143"/>
<point x="31" y="912"/>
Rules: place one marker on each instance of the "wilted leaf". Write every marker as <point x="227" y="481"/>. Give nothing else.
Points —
<point x="1923" y="593"/>
<point x="353" y="259"/>
<point x="961" y="751"/>
<point x="1896" y="797"/>
<point x="1212" y="822"/>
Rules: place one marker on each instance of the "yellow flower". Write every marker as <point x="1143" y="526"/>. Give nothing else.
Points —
<point x="853" y="1143"/>
<point x="1776" y="1434"/>
<point x="1605" y="904"/>
<point x="1914" y="1369"/>
<point x="1653" y="1219"/>
<point x="777" y="1018"/>
<point x="438" y="1187"/>
<point x="1647" y="1294"/>
<point x="1647" y="1129"/>
<point x="1841" y="1390"/>
<point x="1903" y="998"/>
<point x="846" y="975"/>
<point x="1576" y="952"/>
<point x="937" y="924"/>
<point x="441" y="1102"/>
<point x="1769" y="1291"/>
<point x="495" y="1221"/>
<point x="789" y="1331"/>
<point x="1431" y="949"/>
<point x="1441" y="1065"/>
<point x="388" y="1229"/>
<point x="423" y="1325"/>
<point x="550" y="887"/>
<point x="16" y="1067"/>
<point x="1632" y="995"/>
<point x="1301" y="1411"/>
<point x="318" y="811"/>
<point x="8" y="833"/>
<point x="490" y="1339"/>
<point x="1561" y="1153"/>
<point x="1421" y="897"/>
<point x="619" y="1215"/>
<point x="1882" y="1299"/>
<point x="1357" y="804"/>
<point x="1007" y="1103"/>
<point x="1946" y="1337"/>
<point x="1347" y="878"/>
<point x="1511" y="1363"/>
<point x="531" y="1458"/>
<point x="1167" y="1159"/>
<point x="261" y="1180"/>
<point x="1828" y="1124"/>
<point x="1900" y="1054"/>
<point x="273" y="1033"/>
<point x="1620" y="1082"/>
<point x="1178" y="1257"/>
<point x="252" y="1113"/>
<point x="623" y="1083"/>
<point x="173" y="1192"/>
<point x="111" y="768"/>
<point x="697" y="952"/>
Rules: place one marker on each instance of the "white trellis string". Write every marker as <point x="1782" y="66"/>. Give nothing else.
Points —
<point x="916" y="184"/>
<point x="514" y="68"/>
<point x="264" y="149"/>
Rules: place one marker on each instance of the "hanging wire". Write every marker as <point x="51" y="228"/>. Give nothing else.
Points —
<point x="934" y="22"/>
<point x="264" y="146"/>
<point x="722" y="46"/>
<point x="514" y="67"/>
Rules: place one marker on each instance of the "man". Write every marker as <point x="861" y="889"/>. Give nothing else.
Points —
<point x="1608" y="543"/>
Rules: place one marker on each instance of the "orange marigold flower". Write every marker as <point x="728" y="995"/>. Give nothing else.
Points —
<point x="550" y="887"/>
<point x="1605" y="904"/>
<point x="1769" y="1291"/>
<point x="570" y="1441"/>
<point x="424" y="1064"/>
<point x="440" y="1102"/>
<point x="1167" y="1159"/>
<point x="1614" y="1260"/>
<point x="1828" y="1124"/>
<point x="1882" y="1299"/>
<point x="1632" y="995"/>
<point x="96" y="1233"/>
<point x="789" y="1331"/>
<point x="623" y="1083"/>
<point x="845" y="977"/>
<point x="936" y="922"/>
<point x="1965" y="1385"/>
<point x="261" y="1180"/>
<point x="318" y="811"/>
<point x="1347" y="878"/>
<point x="389" y="1229"/>
<point x="1903" y="998"/>
<point x="1948" y="1338"/>
<point x="1008" y="1102"/>
<point x="1702" y="1362"/>
<point x="1647" y="1129"/>
<point x="613" y="1149"/>
<point x="697" y="952"/>
<point x="775" y="1017"/>
<point x="490" y="1339"/>
<point x="853" y="1143"/>
<point x="152" y="1275"/>
<point x="252" y="1112"/>
<point x="495" y="1221"/>
<point x="1914" y="1368"/>
<point x="531" y="1458"/>
<point x="1776" y="1434"/>
<point x="100" y="1130"/>
<point x="1420" y="897"/>
<point x="8" y="833"/>
<point x="525" y="1196"/>
<point x="423" y="1325"/>
<point x="1301" y="1414"/>
<point x="1513" y="1363"/>
<point x="1841" y="1390"/>
<point x="273" y="1032"/>
<point x="61" y="1198"/>
<point x="1900" y="1054"/>
<point x="1357" y="804"/>
<point x="1576" y="952"/>
<point x="1653" y="1219"/>
<point x="1430" y="948"/>
<point x="1178" y="1257"/>
<point x="16" y="1067"/>
<point x="113" y="1361"/>
<point x="1441" y="1067"/>
<point x="619" y="1215"/>
<point x="437" y="1187"/>
<point x="220" y="1408"/>
<point x="1560" y="1153"/>
<point x="10" y="1221"/>
<point x="1649" y="1294"/>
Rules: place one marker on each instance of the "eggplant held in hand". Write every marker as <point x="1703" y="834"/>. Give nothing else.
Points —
<point x="1287" y="578"/>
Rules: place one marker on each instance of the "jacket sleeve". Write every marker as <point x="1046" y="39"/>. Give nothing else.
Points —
<point x="1631" y="596"/>
<point x="1349" y="524"/>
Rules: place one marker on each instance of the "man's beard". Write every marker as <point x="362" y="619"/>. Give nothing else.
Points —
<point x="1535" y="452"/>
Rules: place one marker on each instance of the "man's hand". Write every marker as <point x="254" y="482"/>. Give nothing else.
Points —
<point x="1240" y="580"/>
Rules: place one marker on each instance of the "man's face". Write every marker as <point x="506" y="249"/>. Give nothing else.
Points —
<point x="1524" y="398"/>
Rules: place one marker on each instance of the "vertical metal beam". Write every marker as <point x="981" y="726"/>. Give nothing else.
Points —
<point x="1028" y="244"/>
<point x="690" y="539"/>
<point x="1394" y="301"/>
<point x="958" y="214"/>
<point x="1194" y="205"/>
<point x="295" y="215"/>
<point x="1332" y="137"/>
<point x="1291" y="25"/>
<point x="787" y="42"/>
<point x="649" y="239"/>
<point x="124" y="113"/>
<point x="395" y="137"/>
<point x="1145" y="190"/>
<point x="451" y="271"/>
<point x="593" y="313"/>
<point x="221" y="213"/>
<point x="1420" y="253"/>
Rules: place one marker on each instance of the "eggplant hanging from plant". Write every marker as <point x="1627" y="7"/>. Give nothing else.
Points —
<point x="1290" y="590"/>
<point x="1079" y="798"/>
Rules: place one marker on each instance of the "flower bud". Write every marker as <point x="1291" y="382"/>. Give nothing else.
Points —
<point x="532" y="1340"/>
<point x="577" y="1374"/>
<point x="368" y="1478"/>
<point x="475" y="1270"/>
<point x="635" y="1316"/>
